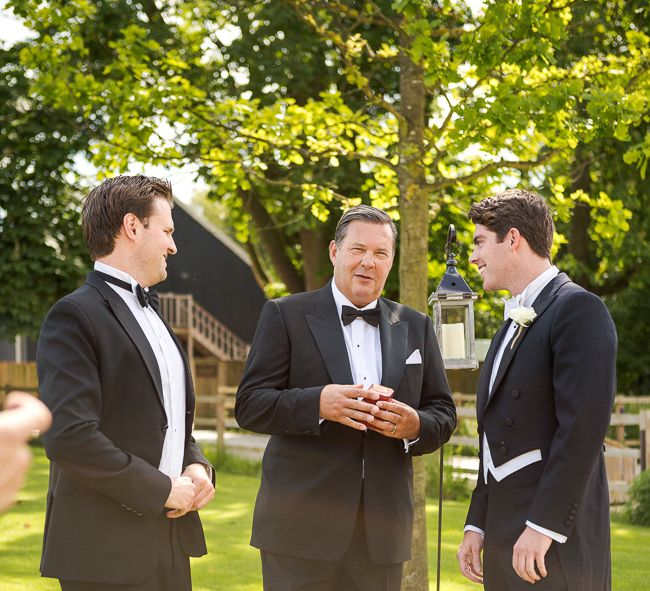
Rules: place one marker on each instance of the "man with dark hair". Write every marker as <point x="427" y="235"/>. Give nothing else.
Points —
<point x="126" y="477"/>
<point x="335" y="506"/>
<point x="540" y="509"/>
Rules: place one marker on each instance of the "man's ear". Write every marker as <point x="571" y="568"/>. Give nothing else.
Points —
<point x="130" y="225"/>
<point x="514" y="237"/>
<point x="332" y="250"/>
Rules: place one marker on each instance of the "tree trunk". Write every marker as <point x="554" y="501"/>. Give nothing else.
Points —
<point x="579" y="241"/>
<point x="414" y="231"/>
<point x="273" y="242"/>
<point x="317" y="268"/>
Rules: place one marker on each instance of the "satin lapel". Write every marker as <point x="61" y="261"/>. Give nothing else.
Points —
<point x="132" y="328"/>
<point x="325" y="327"/>
<point x="540" y="305"/>
<point x="394" y="338"/>
<point x="486" y="372"/>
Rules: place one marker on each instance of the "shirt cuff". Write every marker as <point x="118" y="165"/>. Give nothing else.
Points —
<point x="547" y="532"/>
<point x="478" y="530"/>
<point x="408" y="443"/>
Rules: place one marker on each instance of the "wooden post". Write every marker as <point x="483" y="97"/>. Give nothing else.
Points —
<point x="644" y="428"/>
<point x="620" y="429"/>
<point x="220" y="410"/>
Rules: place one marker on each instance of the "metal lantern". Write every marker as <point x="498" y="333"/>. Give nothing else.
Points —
<point x="453" y="320"/>
<point x="453" y="314"/>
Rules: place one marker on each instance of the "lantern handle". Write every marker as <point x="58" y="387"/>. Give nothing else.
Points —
<point x="451" y="240"/>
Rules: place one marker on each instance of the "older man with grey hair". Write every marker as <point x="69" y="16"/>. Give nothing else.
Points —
<point x="335" y="505"/>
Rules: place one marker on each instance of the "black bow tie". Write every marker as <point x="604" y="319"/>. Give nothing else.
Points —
<point x="144" y="297"/>
<point x="348" y="314"/>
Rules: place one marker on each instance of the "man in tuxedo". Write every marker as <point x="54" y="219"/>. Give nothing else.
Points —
<point x="540" y="510"/>
<point x="126" y="477"/>
<point x="335" y="506"/>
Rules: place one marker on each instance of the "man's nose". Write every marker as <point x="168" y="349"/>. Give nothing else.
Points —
<point x="472" y="259"/>
<point x="368" y="259"/>
<point x="172" y="247"/>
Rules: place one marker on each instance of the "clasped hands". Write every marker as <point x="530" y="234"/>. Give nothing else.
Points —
<point x="341" y="403"/>
<point x="191" y="491"/>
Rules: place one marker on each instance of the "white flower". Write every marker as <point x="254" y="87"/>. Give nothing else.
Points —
<point x="522" y="315"/>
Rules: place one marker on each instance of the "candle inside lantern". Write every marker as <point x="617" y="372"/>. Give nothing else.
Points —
<point x="453" y="341"/>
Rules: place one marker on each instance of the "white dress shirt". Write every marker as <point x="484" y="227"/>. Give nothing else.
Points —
<point x="363" y="343"/>
<point x="526" y="298"/>
<point x="170" y="365"/>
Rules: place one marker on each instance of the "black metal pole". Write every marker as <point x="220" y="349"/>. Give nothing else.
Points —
<point x="439" y="518"/>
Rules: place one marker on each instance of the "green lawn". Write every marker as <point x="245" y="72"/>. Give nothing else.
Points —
<point x="233" y="566"/>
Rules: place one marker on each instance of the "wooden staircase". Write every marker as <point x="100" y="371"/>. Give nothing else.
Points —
<point x="197" y="327"/>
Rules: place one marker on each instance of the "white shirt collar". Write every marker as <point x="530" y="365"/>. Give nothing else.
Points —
<point x="534" y="288"/>
<point x="528" y="296"/>
<point x="340" y="300"/>
<point x="123" y="275"/>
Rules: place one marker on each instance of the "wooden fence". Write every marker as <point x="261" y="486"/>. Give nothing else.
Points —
<point x="627" y="448"/>
<point x="17" y="376"/>
<point x="626" y="455"/>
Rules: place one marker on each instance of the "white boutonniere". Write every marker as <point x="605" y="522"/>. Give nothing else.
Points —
<point x="523" y="317"/>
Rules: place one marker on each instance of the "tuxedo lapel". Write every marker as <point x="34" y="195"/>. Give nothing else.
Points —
<point x="484" y="378"/>
<point x="540" y="305"/>
<point x="132" y="328"/>
<point x="394" y="337"/>
<point x="325" y="326"/>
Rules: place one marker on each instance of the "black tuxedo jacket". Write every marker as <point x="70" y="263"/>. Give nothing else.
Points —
<point x="313" y="473"/>
<point x="105" y="504"/>
<point x="554" y="391"/>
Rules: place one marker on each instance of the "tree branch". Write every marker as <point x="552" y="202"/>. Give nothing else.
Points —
<point x="490" y="167"/>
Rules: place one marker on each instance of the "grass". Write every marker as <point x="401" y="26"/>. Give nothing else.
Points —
<point x="233" y="565"/>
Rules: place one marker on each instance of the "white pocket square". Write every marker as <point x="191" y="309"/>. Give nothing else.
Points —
<point x="414" y="358"/>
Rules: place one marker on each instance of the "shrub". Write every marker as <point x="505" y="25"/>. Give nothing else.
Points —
<point x="231" y="464"/>
<point x="454" y="487"/>
<point x="639" y="503"/>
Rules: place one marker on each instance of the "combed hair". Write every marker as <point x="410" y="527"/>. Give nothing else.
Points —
<point x="517" y="208"/>
<point x="363" y="213"/>
<point x="106" y="205"/>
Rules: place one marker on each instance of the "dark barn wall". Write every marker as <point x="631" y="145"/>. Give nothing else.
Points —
<point x="218" y="278"/>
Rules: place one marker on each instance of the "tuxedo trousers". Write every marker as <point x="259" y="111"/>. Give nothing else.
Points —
<point x="356" y="571"/>
<point x="172" y="574"/>
<point x="507" y="512"/>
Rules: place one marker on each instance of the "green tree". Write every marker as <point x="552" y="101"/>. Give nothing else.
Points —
<point x="42" y="254"/>
<point x="415" y="106"/>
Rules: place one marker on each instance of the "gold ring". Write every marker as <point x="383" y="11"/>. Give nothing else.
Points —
<point x="394" y="429"/>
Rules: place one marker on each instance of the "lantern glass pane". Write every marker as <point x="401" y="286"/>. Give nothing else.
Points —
<point x="453" y="332"/>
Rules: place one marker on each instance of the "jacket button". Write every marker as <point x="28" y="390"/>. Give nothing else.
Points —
<point x="572" y="512"/>
<point x="568" y="523"/>
<point x="503" y="450"/>
<point x="509" y="422"/>
<point x="515" y="394"/>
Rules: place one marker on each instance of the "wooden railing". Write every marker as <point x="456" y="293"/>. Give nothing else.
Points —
<point x="625" y="457"/>
<point x="623" y="461"/>
<point x="188" y="318"/>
